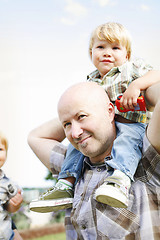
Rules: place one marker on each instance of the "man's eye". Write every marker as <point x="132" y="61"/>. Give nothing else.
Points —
<point x="81" y="116"/>
<point x="66" y="125"/>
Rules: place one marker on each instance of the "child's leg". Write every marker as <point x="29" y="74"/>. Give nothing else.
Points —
<point x="126" y="153"/>
<point x="61" y="195"/>
<point x="72" y="166"/>
<point x="127" y="148"/>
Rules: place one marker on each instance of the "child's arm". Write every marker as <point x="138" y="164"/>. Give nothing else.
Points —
<point x="14" y="203"/>
<point x="44" y="138"/>
<point x="129" y="99"/>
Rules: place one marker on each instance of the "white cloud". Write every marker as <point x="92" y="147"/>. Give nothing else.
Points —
<point x="103" y="3"/>
<point x="67" y="21"/>
<point x="145" y="7"/>
<point x="75" y="8"/>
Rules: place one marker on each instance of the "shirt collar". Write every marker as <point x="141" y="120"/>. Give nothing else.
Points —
<point x="95" y="75"/>
<point x="88" y="165"/>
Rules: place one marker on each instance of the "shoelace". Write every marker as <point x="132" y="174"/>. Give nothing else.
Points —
<point x="47" y="192"/>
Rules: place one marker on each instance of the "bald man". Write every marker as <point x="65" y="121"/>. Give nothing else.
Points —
<point x="89" y="126"/>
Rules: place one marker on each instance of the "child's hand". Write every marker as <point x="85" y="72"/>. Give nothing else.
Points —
<point x="129" y="98"/>
<point x="15" y="202"/>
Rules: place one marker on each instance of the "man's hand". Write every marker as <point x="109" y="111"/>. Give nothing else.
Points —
<point x="15" y="202"/>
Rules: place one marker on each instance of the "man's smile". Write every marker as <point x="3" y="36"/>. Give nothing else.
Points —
<point x="83" y="140"/>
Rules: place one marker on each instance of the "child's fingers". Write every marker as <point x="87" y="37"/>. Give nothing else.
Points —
<point x="17" y="199"/>
<point x="134" y="101"/>
<point x="131" y="103"/>
<point x="125" y="103"/>
<point x="19" y="191"/>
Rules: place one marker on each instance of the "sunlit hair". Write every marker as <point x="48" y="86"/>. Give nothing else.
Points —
<point x="112" y="32"/>
<point x="4" y="141"/>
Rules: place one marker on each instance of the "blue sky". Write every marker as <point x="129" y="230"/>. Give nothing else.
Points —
<point x="44" y="49"/>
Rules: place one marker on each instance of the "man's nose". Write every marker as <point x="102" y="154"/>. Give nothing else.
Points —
<point x="76" y="130"/>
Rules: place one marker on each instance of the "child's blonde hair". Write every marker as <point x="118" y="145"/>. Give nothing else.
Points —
<point x="112" y="32"/>
<point x="4" y="141"/>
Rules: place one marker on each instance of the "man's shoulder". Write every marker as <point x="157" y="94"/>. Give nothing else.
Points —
<point x="149" y="167"/>
<point x="57" y="157"/>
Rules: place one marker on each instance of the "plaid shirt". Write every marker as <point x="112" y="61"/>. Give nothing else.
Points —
<point x="117" y="80"/>
<point x="96" y="221"/>
<point x="7" y="191"/>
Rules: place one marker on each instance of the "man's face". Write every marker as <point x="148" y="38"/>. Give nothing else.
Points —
<point x="106" y="55"/>
<point x="88" y="126"/>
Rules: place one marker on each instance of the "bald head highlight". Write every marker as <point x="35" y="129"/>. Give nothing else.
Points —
<point x="86" y="91"/>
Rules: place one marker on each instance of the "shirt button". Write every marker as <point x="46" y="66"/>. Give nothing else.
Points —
<point x="98" y="169"/>
<point x="83" y="226"/>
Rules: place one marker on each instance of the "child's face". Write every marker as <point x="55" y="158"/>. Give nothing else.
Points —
<point x="2" y="154"/>
<point x="106" y="55"/>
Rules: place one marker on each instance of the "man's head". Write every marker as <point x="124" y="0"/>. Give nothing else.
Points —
<point x="87" y="117"/>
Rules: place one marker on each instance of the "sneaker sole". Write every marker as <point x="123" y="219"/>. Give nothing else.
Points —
<point x="111" y="199"/>
<point x="50" y="205"/>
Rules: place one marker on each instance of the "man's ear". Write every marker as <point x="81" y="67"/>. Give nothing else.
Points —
<point x="111" y="110"/>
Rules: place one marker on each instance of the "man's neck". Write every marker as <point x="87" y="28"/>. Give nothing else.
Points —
<point x="101" y="158"/>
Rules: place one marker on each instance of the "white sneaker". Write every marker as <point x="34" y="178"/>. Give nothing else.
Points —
<point x="55" y="199"/>
<point x="114" y="191"/>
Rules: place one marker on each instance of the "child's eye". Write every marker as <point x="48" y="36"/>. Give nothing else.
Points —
<point x="115" y="48"/>
<point x="100" y="46"/>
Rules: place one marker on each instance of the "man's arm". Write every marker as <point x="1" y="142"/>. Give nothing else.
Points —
<point x="44" y="138"/>
<point x="153" y="131"/>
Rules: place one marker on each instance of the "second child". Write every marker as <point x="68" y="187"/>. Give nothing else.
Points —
<point x="10" y="196"/>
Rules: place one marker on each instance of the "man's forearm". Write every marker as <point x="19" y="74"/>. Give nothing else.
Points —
<point x="43" y="138"/>
<point x="152" y="95"/>
<point x="153" y="131"/>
